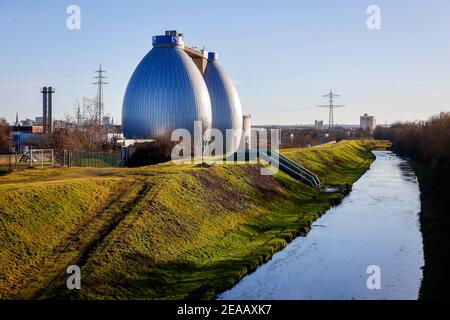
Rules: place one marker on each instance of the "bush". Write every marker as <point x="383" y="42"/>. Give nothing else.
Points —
<point x="4" y="135"/>
<point x="151" y="153"/>
<point x="428" y="142"/>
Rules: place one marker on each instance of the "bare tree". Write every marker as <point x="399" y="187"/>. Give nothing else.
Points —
<point x="88" y="135"/>
<point x="4" y="135"/>
<point x="427" y="141"/>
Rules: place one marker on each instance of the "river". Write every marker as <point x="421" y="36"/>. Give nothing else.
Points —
<point x="377" y="224"/>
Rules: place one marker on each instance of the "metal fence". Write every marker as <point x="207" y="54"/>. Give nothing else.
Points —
<point x="36" y="158"/>
<point x="8" y="162"/>
<point x="57" y="158"/>
<point x="93" y="159"/>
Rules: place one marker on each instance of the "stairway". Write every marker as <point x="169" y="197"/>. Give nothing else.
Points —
<point x="283" y="163"/>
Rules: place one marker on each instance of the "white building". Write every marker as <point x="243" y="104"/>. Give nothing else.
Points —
<point x="367" y="122"/>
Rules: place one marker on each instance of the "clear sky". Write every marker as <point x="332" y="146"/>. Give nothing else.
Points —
<point x="282" y="55"/>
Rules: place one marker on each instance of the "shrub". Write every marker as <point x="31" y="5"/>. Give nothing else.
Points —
<point x="428" y="141"/>
<point x="4" y="135"/>
<point x="151" y="153"/>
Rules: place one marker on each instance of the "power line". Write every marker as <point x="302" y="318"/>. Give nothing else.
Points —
<point x="331" y="106"/>
<point x="100" y="107"/>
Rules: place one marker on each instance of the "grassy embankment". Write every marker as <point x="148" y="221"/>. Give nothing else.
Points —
<point x="161" y="232"/>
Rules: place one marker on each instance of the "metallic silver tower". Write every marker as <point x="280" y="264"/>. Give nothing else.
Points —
<point x="165" y="92"/>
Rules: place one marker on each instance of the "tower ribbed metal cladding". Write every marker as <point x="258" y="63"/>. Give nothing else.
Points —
<point x="225" y="102"/>
<point x="166" y="92"/>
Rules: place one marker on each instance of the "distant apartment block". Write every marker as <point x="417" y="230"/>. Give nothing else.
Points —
<point x="367" y="122"/>
<point x="38" y="121"/>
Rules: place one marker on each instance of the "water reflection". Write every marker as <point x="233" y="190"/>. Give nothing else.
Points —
<point x="377" y="224"/>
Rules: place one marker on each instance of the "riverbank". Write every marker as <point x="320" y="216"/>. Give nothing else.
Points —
<point x="376" y="224"/>
<point x="161" y="232"/>
<point x="435" y="226"/>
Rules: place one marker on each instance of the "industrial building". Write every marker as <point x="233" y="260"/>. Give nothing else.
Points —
<point x="28" y="129"/>
<point x="174" y="86"/>
<point x="20" y="135"/>
<point x="367" y="122"/>
<point x="318" y="124"/>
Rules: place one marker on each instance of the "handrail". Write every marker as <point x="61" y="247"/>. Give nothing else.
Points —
<point x="289" y="166"/>
<point x="295" y="164"/>
<point x="286" y="165"/>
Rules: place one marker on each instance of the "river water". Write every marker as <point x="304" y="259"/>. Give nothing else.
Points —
<point x="376" y="225"/>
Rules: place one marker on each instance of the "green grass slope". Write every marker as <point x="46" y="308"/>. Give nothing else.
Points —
<point x="37" y="217"/>
<point x="338" y="163"/>
<point x="161" y="232"/>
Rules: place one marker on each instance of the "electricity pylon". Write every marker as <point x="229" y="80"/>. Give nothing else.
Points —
<point x="99" y="103"/>
<point x="331" y="106"/>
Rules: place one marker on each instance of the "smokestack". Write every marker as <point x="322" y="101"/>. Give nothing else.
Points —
<point x="50" y="92"/>
<point x="44" y="108"/>
<point x="47" y="109"/>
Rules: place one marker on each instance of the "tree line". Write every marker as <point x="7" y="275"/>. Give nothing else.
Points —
<point x="425" y="141"/>
<point x="74" y="133"/>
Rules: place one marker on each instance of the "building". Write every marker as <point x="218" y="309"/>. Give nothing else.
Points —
<point x="39" y="121"/>
<point x="174" y="86"/>
<point x="106" y="120"/>
<point x="367" y="122"/>
<point x="21" y="135"/>
<point x="27" y="123"/>
<point x="318" y="124"/>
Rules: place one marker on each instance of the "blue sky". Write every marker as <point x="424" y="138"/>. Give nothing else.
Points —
<point x="282" y="55"/>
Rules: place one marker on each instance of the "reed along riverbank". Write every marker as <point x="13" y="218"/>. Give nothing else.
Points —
<point x="160" y="232"/>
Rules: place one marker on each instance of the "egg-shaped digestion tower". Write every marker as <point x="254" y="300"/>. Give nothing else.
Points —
<point x="225" y="103"/>
<point x="166" y="92"/>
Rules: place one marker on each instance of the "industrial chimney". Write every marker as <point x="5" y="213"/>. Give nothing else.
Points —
<point x="47" y="109"/>
<point x="44" y="108"/>
<point x="50" y="92"/>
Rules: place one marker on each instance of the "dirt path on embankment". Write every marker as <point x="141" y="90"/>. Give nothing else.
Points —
<point x="50" y="278"/>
